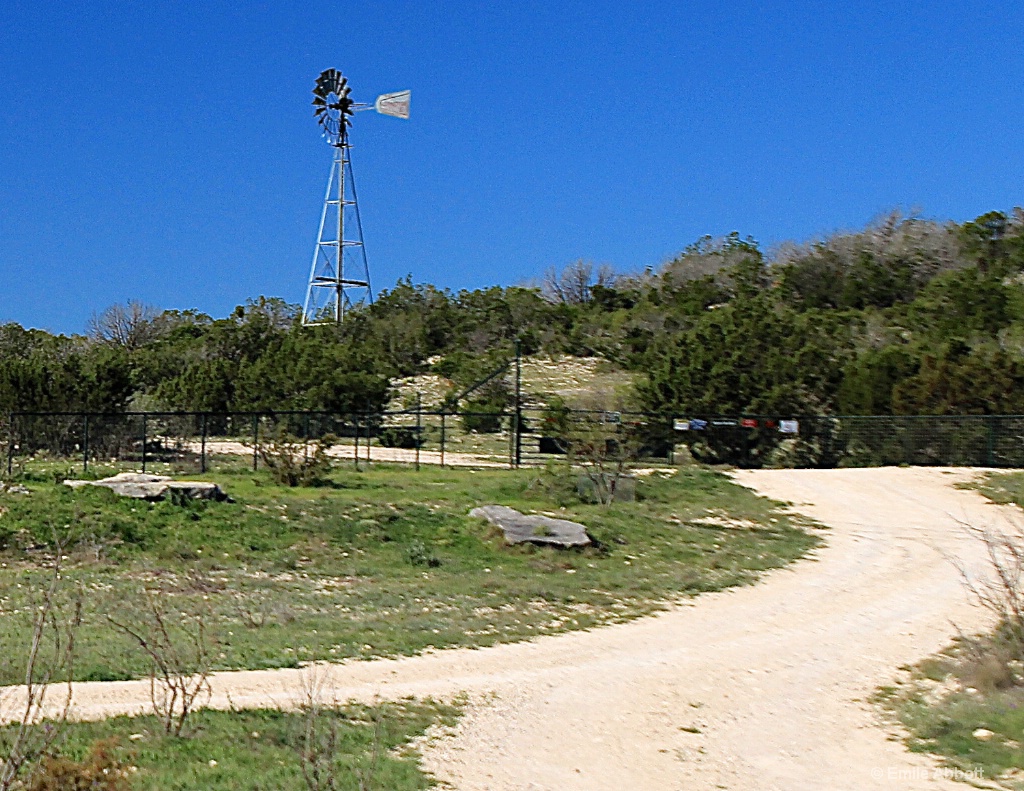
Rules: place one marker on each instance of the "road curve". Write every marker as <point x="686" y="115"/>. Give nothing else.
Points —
<point x="758" y="688"/>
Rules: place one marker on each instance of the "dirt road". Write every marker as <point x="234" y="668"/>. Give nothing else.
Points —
<point x="369" y="454"/>
<point x="756" y="688"/>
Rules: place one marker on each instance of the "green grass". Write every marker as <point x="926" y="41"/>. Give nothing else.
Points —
<point x="380" y="563"/>
<point x="1003" y="487"/>
<point x="259" y="749"/>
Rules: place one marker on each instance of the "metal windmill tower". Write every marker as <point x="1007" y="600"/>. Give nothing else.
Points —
<point x="339" y="277"/>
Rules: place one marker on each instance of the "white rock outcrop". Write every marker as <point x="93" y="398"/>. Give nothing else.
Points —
<point x="153" y="487"/>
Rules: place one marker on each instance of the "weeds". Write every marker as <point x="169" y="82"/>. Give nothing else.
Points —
<point x="178" y="649"/>
<point x="99" y="771"/>
<point x="49" y="659"/>
<point x="318" y="748"/>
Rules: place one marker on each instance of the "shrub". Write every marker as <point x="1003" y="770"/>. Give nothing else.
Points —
<point x="483" y="417"/>
<point x="419" y="554"/>
<point x="292" y="462"/>
<point x="400" y="437"/>
<point x="100" y="771"/>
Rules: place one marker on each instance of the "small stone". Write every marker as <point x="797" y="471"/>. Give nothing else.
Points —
<point x="983" y="734"/>
<point x="136" y="737"/>
<point x="212" y="763"/>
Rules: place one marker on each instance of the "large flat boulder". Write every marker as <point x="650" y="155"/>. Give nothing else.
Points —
<point x="154" y="487"/>
<point x="532" y="528"/>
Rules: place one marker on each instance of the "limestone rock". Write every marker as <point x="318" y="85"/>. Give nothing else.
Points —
<point x="534" y="529"/>
<point x="154" y="487"/>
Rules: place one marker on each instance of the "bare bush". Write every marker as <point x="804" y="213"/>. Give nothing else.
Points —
<point x="318" y="746"/>
<point x="572" y="285"/>
<point x="179" y="650"/>
<point x="596" y="442"/>
<point x="49" y="660"/>
<point x="318" y="749"/>
<point x="605" y="451"/>
<point x="929" y="247"/>
<point x="295" y="462"/>
<point x="709" y="257"/>
<point x="130" y="325"/>
<point x="992" y="661"/>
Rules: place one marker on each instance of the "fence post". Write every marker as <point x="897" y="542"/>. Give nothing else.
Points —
<point x="443" y="414"/>
<point x="255" y="442"/>
<point x="519" y="405"/>
<point x="511" y="441"/>
<point x="419" y="428"/>
<point x="305" y="437"/>
<point x="202" y="447"/>
<point x="145" y="431"/>
<point x="85" y="442"/>
<point x="10" y="444"/>
<point x="991" y="441"/>
<point x="356" y="454"/>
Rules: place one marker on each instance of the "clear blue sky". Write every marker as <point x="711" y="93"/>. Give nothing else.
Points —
<point x="167" y="151"/>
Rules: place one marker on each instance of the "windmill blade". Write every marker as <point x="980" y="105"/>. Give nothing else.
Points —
<point x="394" y="104"/>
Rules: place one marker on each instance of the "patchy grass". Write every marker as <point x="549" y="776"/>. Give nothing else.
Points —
<point x="976" y="731"/>
<point x="966" y="704"/>
<point x="1002" y="487"/>
<point x="380" y="563"/>
<point x="260" y="749"/>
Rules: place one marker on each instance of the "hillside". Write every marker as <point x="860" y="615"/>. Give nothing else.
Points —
<point x="580" y="380"/>
<point x="906" y="316"/>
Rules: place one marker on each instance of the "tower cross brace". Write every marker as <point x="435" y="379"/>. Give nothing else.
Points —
<point x="339" y="277"/>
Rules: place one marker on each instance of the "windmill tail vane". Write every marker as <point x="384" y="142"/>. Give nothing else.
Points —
<point x="394" y="104"/>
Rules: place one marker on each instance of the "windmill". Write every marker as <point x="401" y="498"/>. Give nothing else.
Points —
<point x="339" y="277"/>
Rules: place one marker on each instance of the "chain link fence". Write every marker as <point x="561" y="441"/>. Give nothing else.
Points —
<point x="204" y="442"/>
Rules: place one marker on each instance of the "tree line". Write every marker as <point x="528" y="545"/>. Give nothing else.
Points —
<point x="905" y="316"/>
